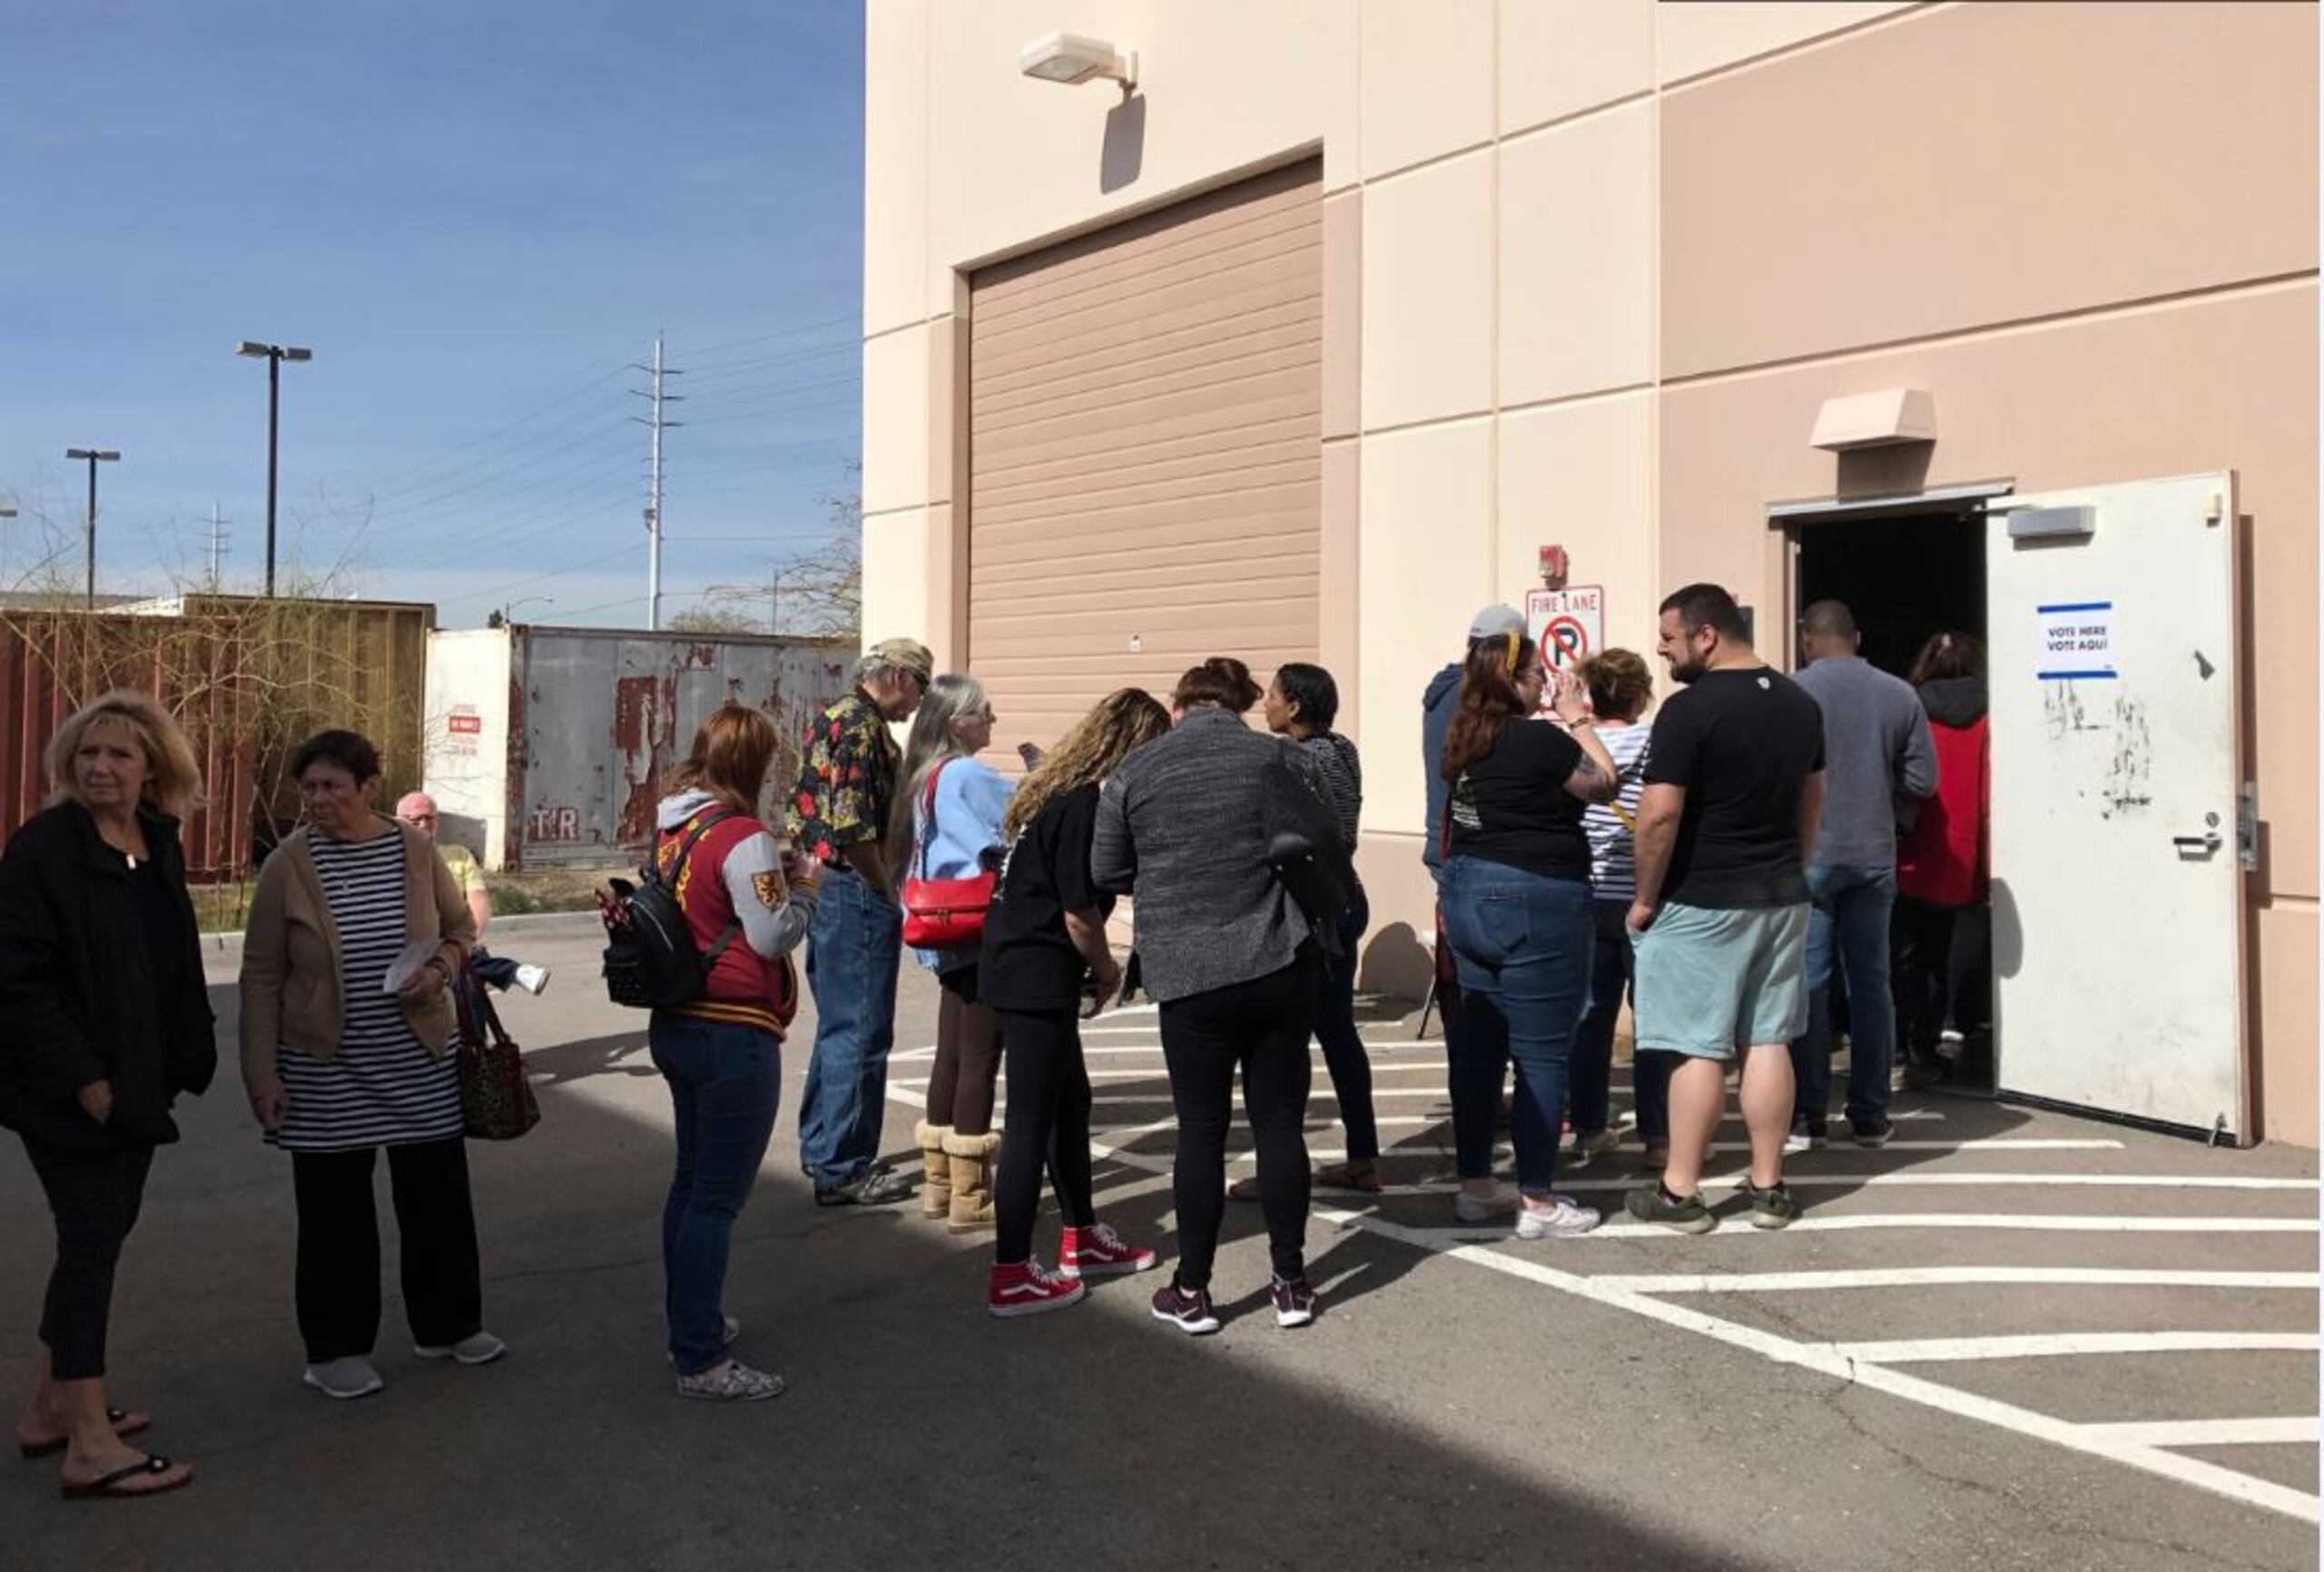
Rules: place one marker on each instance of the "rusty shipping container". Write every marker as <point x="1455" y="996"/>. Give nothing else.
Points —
<point x="548" y="746"/>
<point x="248" y="679"/>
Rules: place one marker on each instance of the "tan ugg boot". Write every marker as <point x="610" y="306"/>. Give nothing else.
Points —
<point x="936" y="1193"/>
<point x="972" y="1158"/>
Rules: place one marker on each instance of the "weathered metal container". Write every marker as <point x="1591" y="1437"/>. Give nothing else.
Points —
<point x="247" y="678"/>
<point x="548" y="746"/>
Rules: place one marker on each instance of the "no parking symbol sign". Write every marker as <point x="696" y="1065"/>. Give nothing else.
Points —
<point x="1568" y="625"/>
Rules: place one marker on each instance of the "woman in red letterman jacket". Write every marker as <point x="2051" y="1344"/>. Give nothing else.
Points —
<point x="748" y="905"/>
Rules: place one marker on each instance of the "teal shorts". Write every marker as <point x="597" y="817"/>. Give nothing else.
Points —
<point x="1711" y="982"/>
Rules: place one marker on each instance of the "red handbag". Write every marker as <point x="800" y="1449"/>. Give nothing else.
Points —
<point x="944" y="913"/>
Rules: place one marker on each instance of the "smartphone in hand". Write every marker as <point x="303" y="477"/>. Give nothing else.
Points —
<point x="1030" y="754"/>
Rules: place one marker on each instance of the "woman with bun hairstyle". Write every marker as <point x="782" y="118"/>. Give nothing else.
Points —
<point x="1184" y="826"/>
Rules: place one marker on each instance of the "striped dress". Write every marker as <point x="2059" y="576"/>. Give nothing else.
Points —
<point x="383" y="1089"/>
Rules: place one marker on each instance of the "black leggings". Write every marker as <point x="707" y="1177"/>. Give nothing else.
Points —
<point x="337" y="1286"/>
<point x="1261" y="1027"/>
<point x="1047" y="1115"/>
<point x="95" y="1197"/>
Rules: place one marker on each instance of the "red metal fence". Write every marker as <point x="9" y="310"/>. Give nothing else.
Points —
<point x="247" y="682"/>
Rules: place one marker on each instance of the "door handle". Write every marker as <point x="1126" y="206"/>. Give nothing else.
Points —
<point x="2206" y="843"/>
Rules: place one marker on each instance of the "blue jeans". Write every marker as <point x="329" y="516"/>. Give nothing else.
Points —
<point x="1343" y="1053"/>
<point x="1522" y="944"/>
<point x="724" y="1081"/>
<point x="1847" y="927"/>
<point x="1610" y="976"/>
<point x="852" y="951"/>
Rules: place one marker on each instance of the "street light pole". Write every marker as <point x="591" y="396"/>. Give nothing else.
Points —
<point x="274" y="355"/>
<point x="94" y="455"/>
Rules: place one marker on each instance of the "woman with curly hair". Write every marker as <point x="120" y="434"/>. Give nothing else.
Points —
<point x="1045" y="953"/>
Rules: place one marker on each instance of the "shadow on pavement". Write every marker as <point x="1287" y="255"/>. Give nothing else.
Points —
<point x="917" y="1433"/>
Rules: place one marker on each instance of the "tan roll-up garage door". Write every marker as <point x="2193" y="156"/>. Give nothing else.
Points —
<point x="1145" y="434"/>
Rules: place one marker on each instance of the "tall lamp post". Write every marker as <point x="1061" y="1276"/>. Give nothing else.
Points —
<point x="94" y="455"/>
<point x="274" y="355"/>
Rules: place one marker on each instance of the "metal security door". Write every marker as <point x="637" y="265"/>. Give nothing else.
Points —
<point x="2118" y="888"/>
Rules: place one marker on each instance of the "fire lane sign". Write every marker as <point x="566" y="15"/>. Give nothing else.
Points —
<point x="1567" y="625"/>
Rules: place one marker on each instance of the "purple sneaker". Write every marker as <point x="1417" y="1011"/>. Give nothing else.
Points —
<point x="1295" y="1302"/>
<point x="1187" y="1308"/>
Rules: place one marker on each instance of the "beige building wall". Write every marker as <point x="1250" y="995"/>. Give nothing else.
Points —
<point x="1591" y="266"/>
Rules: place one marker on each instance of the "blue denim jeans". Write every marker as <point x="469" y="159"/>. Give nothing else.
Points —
<point x="724" y="1081"/>
<point x="852" y="951"/>
<point x="1343" y="1046"/>
<point x="1522" y="944"/>
<point x="1848" y="930"/>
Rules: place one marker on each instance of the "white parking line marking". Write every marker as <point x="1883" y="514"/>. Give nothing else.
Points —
<point x="1927" y="1177"/>
<point x="1828" y="1359"/>
<point x="1983" y="1222"/>
<point x="1975" y="1143"/>
<point x="2288" y="1430"/>
<point x="2072" y="1344"/>
<point x="2187" y="1470"/>
<point x="1941" y="1276"/>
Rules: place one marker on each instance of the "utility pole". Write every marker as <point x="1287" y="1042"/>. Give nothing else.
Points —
<point x="658" y="423"/>
<point x="217" y="546"/>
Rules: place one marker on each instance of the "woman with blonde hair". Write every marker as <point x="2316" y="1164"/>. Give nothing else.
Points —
<point x="945" y="824"/>
<point x="108" y="1022"/>
<point x="747" y="906"/>
<point x="1046" y="960"/>
<point x="349" y="1046"/>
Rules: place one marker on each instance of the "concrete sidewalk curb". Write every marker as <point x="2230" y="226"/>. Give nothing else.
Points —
<point x="547" y="924"/>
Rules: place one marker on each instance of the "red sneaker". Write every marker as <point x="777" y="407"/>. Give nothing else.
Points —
<point x="1099" y="1252"/>
<point x="1028" y="1288"/>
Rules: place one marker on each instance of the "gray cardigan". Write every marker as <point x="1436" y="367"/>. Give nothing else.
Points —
<point x="1182" y="827"/>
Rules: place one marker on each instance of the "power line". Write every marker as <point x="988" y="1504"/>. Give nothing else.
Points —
<point x="702" y="351"/>
<point x="526" y="418"/>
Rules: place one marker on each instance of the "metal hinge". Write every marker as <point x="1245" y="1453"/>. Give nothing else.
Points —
<point x="2246" y="827"/>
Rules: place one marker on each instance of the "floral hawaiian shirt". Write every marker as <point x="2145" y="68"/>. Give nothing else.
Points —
<point x="846" y="780"/>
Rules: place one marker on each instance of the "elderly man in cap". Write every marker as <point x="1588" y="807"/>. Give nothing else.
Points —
<point x="847" y="778"/>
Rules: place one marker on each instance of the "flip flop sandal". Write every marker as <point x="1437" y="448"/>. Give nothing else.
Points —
<point x="108" y="1487"/>
<point x="50" y="1449"/>
<point x="1346" y="1176"/>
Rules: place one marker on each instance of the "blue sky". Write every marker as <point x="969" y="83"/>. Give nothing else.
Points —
<point x="476" y="214"/>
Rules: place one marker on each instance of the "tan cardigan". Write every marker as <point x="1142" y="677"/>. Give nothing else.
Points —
<point x="290" y="955"/>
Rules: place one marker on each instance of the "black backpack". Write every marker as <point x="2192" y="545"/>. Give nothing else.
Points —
<point x="651" y="961"/>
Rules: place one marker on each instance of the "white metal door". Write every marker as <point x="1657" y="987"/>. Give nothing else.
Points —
<point x="2117" y="898"/>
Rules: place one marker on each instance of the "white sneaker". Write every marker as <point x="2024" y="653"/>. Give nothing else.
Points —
<point x="476" y="1348"/>
<point x="1470" y="1208"/>
<point x="1565" y="1218"/>
<point x="532" y="979"/>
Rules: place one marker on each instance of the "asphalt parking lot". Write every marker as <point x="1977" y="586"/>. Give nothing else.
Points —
<point x="2008" y="1339"/>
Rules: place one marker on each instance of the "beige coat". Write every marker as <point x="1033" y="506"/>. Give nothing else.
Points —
<point x="290" y="956"/>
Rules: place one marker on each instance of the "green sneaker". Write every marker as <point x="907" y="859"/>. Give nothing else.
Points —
<point x="1648" y="1204"/>
<point x="1772" y="1207"/>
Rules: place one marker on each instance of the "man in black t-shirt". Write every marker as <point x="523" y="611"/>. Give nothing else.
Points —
<point x="1734" y="786"/>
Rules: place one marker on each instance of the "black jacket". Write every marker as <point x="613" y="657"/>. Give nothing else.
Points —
<point x="79" y="999"/>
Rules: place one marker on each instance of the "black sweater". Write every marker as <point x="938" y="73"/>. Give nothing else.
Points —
<point x="79" y="994"/>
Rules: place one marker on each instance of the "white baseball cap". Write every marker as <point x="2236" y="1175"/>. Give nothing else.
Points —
<point x="1495" y="622"/>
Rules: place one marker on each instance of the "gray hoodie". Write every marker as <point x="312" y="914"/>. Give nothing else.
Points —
<point x="770" y="931"/>
<point x="1436" y="707"/>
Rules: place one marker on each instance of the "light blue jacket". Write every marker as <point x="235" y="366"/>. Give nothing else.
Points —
<point x="970" y="797"/>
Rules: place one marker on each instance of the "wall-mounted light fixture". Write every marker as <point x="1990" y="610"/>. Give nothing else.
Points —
<point x="1071" y="59"/>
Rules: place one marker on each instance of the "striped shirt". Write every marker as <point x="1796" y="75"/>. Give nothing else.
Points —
<point x="382" y="1088"/>
<point x="1613" y="855"/>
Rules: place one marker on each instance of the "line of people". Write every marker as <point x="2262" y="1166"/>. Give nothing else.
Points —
<point x="1577" y="857"/>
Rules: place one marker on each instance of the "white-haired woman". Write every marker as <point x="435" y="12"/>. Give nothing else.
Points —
<point x="108" y="1022"/>
<point x="946" y="824"/>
